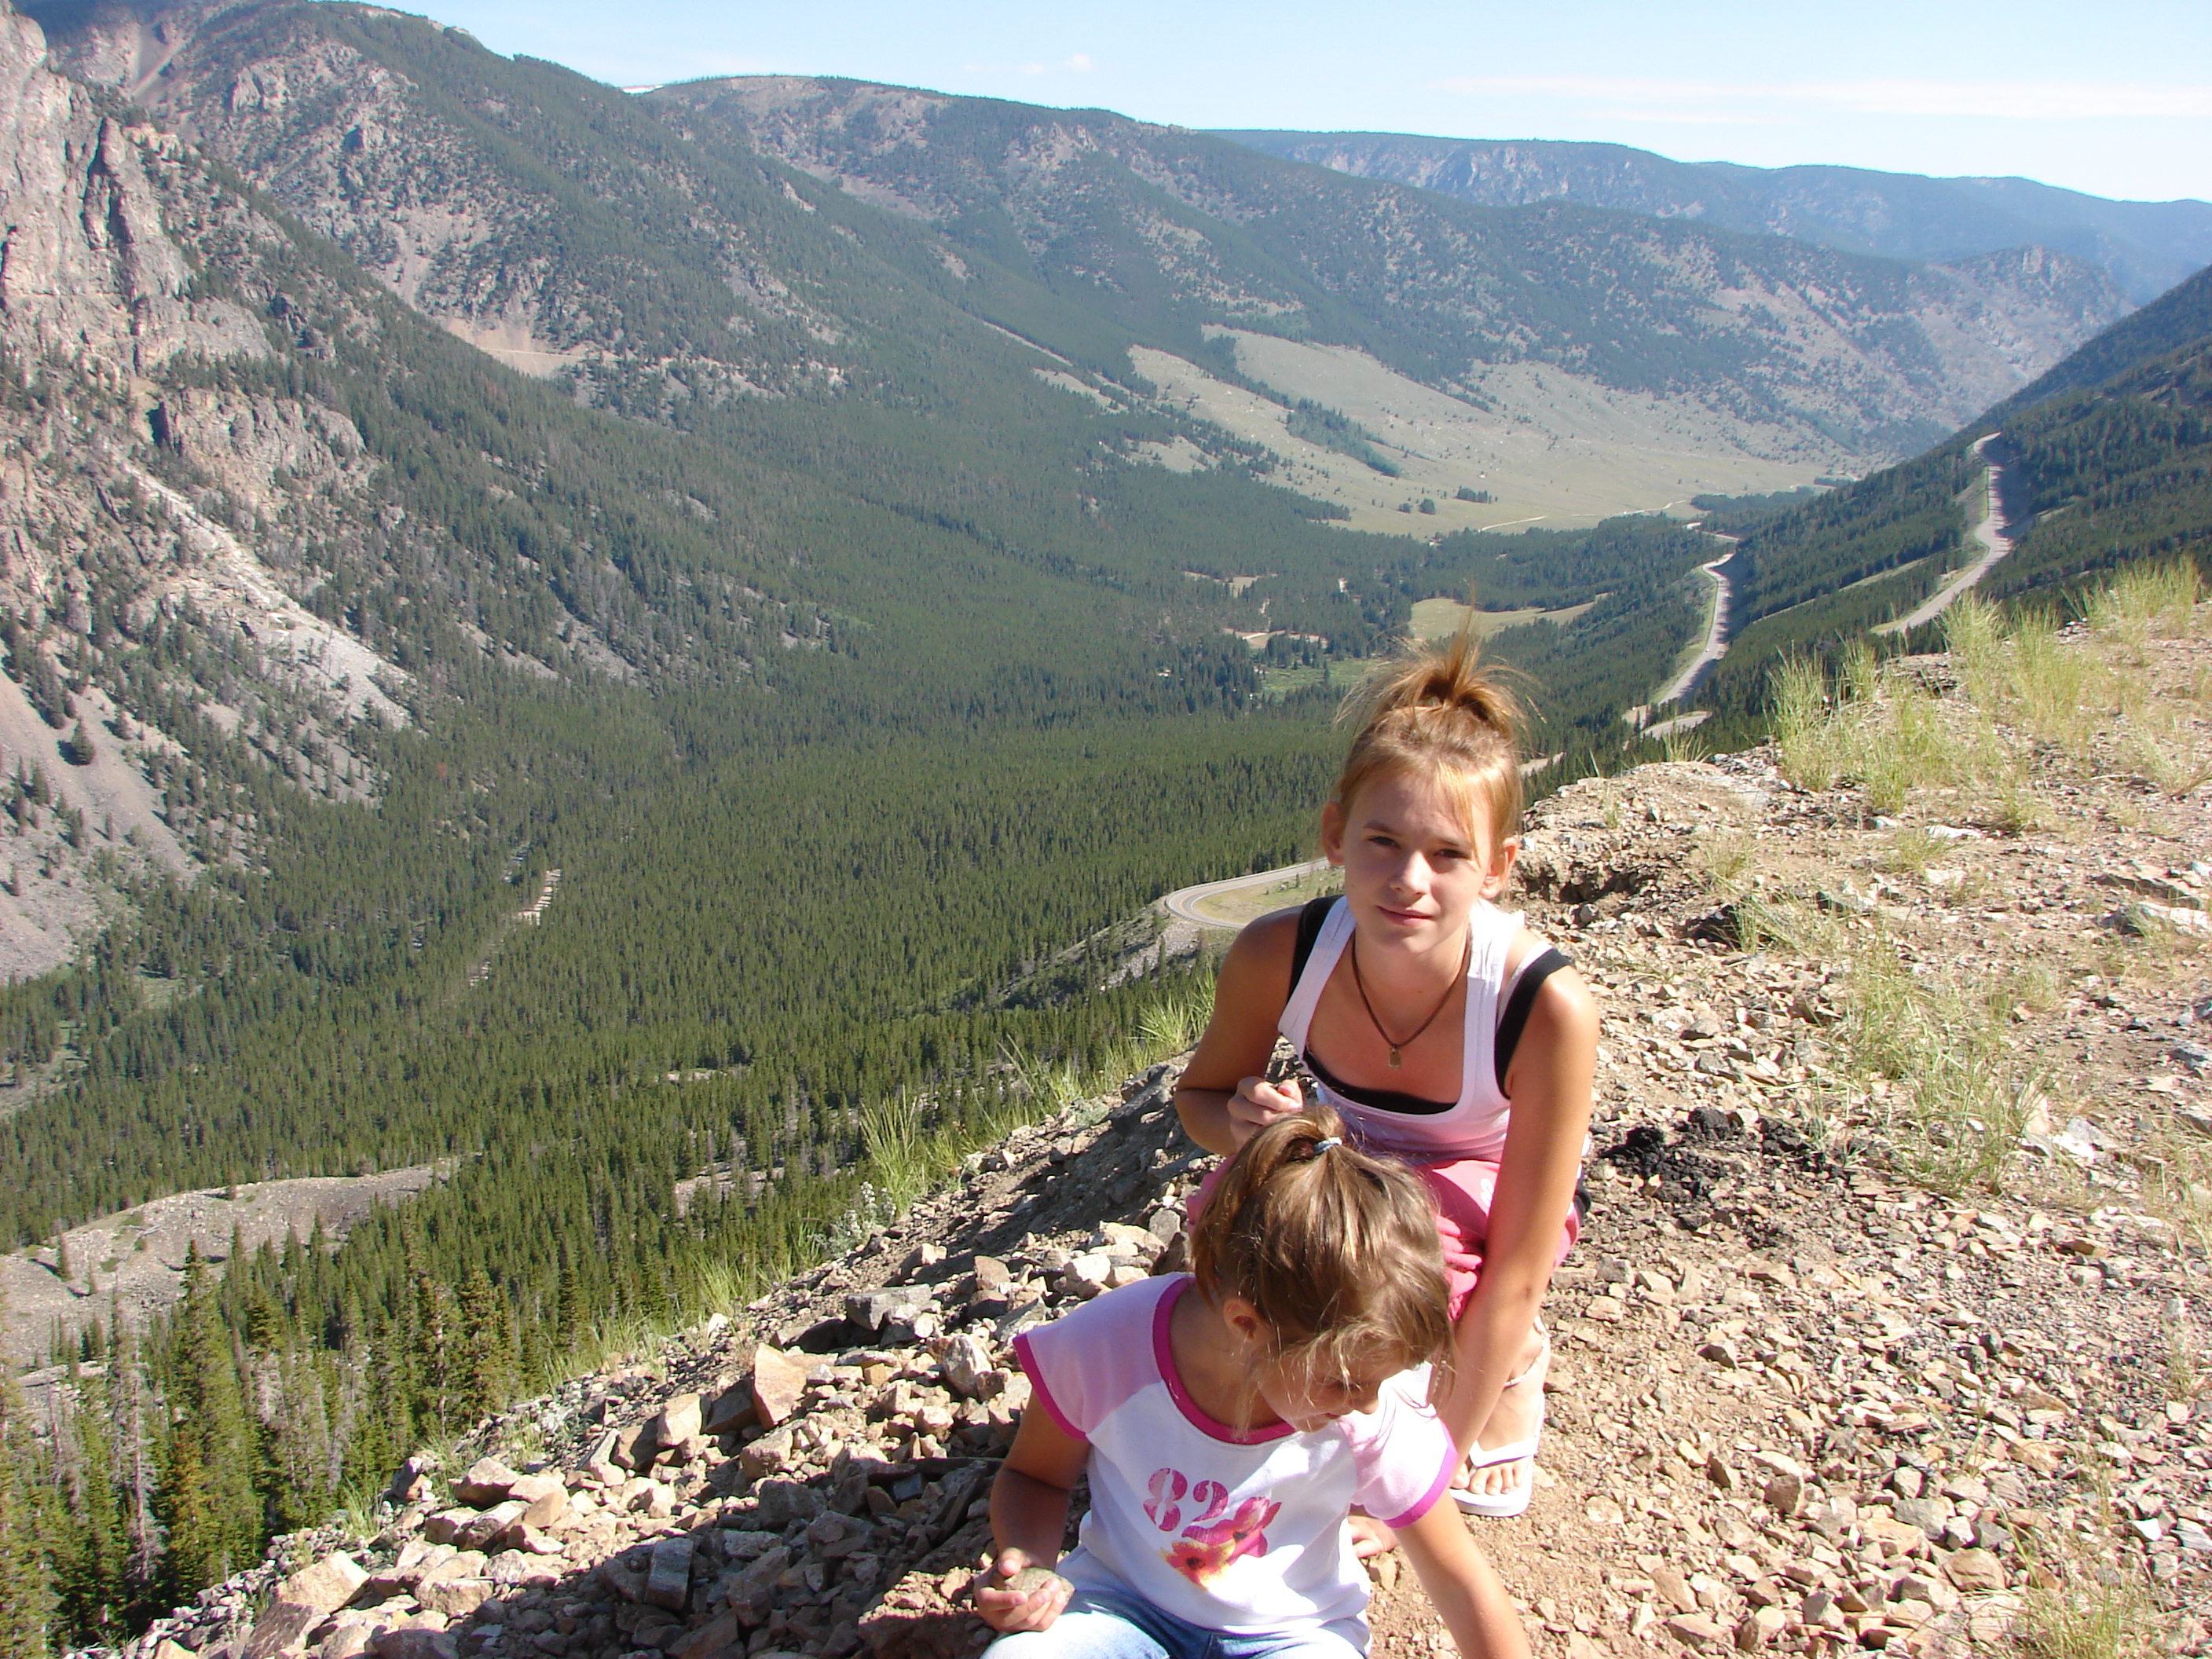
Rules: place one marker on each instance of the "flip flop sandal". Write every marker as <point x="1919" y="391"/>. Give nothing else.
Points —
<point x="1505" y="1506"/>
<point x="1514" y="1500"/>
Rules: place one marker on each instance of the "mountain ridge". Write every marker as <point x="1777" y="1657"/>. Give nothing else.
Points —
<point x="2148" y="246"/>
<point x="1870" y="360"/>
<point x="1441" y="291"/>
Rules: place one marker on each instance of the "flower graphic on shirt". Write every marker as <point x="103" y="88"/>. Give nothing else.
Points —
<point x="1205" y="1552"/>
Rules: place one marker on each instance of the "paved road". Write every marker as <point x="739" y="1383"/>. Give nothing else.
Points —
<point x="1183" y="903"/>
<point x="1995" y="543"/>
<point x="1716" y="645"/>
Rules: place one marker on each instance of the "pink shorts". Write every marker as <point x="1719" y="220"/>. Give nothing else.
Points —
<point x="1461" y="1193"/>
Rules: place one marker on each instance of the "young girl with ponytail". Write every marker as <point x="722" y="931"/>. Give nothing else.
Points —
<point x="1441" y="1028"/>
<point x="1229" y="1419"/>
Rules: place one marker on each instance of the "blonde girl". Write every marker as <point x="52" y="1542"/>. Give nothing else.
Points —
<point x="1442" y="1029"/>
<point x="1229" y="1419"/>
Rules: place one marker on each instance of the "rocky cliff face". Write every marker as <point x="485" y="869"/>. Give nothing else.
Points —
<point x="134" y="496"/>
<point x="510" y="204"/>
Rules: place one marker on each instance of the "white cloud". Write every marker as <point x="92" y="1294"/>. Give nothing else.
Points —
<point x="1985" y="99"/>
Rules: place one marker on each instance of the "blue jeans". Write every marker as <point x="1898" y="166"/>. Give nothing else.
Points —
<point x="1103" y="1620"/>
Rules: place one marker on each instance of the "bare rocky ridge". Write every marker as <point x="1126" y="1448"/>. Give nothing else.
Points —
<point x="99" y="304"/>
<point x="1817" y="1389"/>
<point x="134" y="1261"/>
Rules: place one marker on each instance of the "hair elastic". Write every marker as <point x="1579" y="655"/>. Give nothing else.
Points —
<point x="1320" y="1146"/>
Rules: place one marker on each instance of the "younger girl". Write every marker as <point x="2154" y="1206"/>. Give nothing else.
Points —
<point x="1229" y="1419"/>
<point x="1443" y="1030"/>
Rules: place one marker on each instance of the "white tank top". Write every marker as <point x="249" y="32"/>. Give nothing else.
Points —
<point x="1423" y="1131"/>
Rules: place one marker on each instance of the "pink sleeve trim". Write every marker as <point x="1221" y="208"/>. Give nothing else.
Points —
<point x="1429" y="1500"/>
<point x="1041" y="1395"/>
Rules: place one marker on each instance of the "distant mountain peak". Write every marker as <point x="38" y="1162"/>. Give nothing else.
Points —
<point x="2146" y="246"/>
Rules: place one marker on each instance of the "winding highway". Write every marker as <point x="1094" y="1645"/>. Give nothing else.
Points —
<point x="1183" y="903"/>
<point x="1715" y="646"/>
<point x="1995" y="545"/>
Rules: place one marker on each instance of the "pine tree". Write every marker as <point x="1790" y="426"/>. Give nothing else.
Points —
<point x="94" y="1578"/>
<point x="207" y="1499"/>
<point x="136" y="1459"/>
<point x="302" y="1456"/>
<point x="27" y="1591"/>
<point x="487" y="1364"/>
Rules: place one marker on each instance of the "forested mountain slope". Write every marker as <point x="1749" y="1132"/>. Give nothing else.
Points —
<point x="2111" y="467"/>
<point x="2146" y="246"/>
<point x="550" y="218"/>
<point x="2176" y="319"/>
<point x="1171" y="230"/>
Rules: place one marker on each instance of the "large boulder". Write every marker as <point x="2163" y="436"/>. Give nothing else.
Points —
<point x="488" y="1482"/>
<point x="303" y="1601"/>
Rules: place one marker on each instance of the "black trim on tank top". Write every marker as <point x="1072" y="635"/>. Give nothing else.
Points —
<point x="1380" y="1100"/>
<point x="1520" y="1004"/>
<point x="1313" y="915"/>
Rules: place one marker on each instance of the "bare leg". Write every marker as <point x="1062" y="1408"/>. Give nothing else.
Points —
<point x="1514" y="1417"/>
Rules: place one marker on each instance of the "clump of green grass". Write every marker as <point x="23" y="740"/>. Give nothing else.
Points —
<point x="1723" y="857"/>
<point x="1177" y="1019"/>
<point x="1909" y="851"/>
<point x="1804" y="726"/>
<point x="1960" y="1099"/>
<point x="2145" y="602"/>
<point x="1789" y="925"/>
<point x="2084" y="1616"/>
<point x="899" y="1157"/>
<point x="2020" y="688"/>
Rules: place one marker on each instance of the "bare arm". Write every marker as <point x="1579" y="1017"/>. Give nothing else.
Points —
<point x="1549" y="1084"/>
<point x="1029" y="1519"/>
<point x="1224" y="1096"/>
<point x="1461" y="1587"/>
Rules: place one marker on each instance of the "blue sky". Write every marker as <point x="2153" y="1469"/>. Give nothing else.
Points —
<point x="2112" y="98"/>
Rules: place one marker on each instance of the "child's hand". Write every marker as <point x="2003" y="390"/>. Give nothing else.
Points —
<point x="1012" y="1594"/>
<point x="1258" y="1103"/>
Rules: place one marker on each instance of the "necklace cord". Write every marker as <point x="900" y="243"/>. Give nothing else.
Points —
<point x="1398" y="1048"/>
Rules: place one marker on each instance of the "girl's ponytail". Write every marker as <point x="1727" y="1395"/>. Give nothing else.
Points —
<point x="1434" y="710"/>
<point x="1334" y="1248"/>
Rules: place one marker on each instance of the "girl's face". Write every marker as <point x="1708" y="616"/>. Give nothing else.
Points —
<point x="1309" y="1391"/>
<point x="1302" y="1387"/>
<point x="1414" y="866"/>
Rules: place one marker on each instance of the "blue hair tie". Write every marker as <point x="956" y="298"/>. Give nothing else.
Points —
<point x="1320" y="1146"/>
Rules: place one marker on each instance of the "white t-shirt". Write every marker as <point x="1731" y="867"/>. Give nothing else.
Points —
<point x="1244" y="1534"/>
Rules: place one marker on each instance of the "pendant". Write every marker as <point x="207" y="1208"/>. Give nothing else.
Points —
<point x="1395" y="1059"/>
